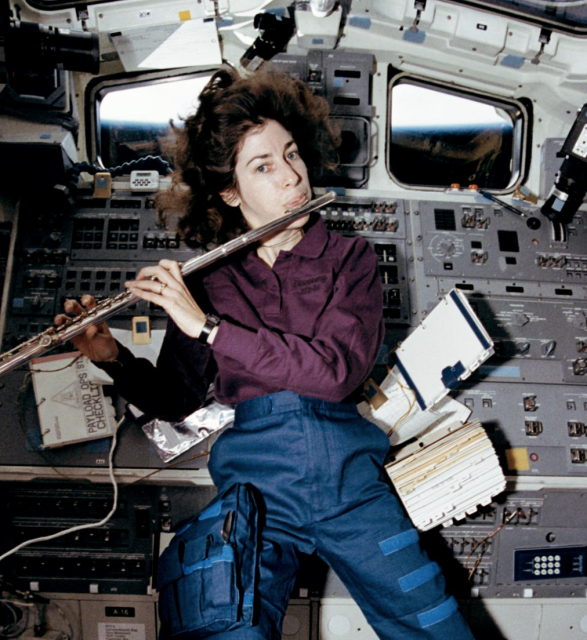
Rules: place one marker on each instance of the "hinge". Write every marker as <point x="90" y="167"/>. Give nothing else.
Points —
<point x="544" y="39"/>
<point x="419" y="5"/>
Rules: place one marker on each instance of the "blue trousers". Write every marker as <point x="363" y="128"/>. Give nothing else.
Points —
<point x="318" y="468"/>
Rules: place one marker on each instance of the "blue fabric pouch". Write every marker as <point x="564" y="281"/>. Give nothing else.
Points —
<point x="207" y="576"/>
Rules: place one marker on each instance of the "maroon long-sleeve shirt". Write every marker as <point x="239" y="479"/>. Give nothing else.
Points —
<point x="311" y="324"/>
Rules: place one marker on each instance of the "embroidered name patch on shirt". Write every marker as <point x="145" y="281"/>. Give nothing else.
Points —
<point x="309" y="285"/>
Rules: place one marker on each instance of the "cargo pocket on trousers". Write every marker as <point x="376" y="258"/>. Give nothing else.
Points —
<point x="208" y="573"/>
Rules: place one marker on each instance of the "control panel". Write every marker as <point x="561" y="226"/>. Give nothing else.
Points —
<point x="487" y="249"/>
<point x="383" y="224"/>
<point x="96" y="248"/>
<point x="60" y="253"/>
<point x="523" y="277"/>
<point x="538" y="551"/>
<point x="114" y="558"/>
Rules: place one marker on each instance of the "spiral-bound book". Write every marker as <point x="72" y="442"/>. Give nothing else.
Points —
<point x="70" y="400"/>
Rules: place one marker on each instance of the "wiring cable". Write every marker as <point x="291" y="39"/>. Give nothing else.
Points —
<point x="70" y="364"/>
<point x="65" y="619"/>
<point x="483" y="541"/>
<point x="408" y="392"/>
<point x="90" y="525"/>
<point x="155" y="163"/>
<point x="18" y="624"/>
<point x="411" y="403"/>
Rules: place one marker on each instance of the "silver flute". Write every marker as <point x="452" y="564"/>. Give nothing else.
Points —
<point x="54" y="336"/>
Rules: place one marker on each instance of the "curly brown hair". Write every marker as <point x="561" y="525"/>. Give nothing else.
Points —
<point x="206" y="148"/>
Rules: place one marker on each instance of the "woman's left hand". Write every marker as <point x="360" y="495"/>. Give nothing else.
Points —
<point x="164" y="286"/>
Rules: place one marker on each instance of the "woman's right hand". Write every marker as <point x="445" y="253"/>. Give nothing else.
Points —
<point x="96" y="343"/>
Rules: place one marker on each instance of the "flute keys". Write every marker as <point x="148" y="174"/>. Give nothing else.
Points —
<point x="45" y="340"/>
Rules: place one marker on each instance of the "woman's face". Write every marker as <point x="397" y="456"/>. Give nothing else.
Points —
<point x="270" y="175"/>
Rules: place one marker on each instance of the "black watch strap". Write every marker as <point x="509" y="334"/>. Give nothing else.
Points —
<point x="211" y="322"/>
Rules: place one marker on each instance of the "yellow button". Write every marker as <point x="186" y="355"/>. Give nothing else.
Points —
<point x="517" y="459"/>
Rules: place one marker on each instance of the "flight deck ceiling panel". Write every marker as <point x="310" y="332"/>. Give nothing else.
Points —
<point x="49" y="5"/>
<point x="570" y="17"/>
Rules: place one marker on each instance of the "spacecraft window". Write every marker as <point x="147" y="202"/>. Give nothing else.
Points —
<point x="131" y="117"/>
<point x="440" y="136"/>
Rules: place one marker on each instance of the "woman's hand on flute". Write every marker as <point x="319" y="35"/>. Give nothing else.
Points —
<point x="96" y="343"/>
<point x="164" y="286"/>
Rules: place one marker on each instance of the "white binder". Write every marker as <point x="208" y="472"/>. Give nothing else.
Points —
<point x="445" y="348"/>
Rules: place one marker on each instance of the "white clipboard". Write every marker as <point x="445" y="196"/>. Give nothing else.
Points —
<point x="445" y="348"/>
<point x="180" y="44"/>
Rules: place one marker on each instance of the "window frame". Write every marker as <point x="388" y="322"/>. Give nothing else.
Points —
<point x="99" y="87"/>
<point x="521" y="134"/>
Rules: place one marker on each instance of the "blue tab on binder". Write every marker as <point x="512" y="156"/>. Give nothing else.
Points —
<point x="451" y="376"/>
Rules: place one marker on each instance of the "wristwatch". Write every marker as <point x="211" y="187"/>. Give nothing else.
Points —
<point x="211" y="322"/>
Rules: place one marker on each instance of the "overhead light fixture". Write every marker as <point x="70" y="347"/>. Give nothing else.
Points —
<point x="322" y="8"/>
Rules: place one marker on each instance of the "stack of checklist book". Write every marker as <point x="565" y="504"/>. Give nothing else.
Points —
<point x="447" y="478"/>
<point x="444" y="467"/>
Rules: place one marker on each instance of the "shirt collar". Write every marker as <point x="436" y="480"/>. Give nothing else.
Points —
<point x="311" y="245"/>
<point x="315" y="238"/>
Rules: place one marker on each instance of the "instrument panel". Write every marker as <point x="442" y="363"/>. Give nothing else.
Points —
<point x="523" y="279"/>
